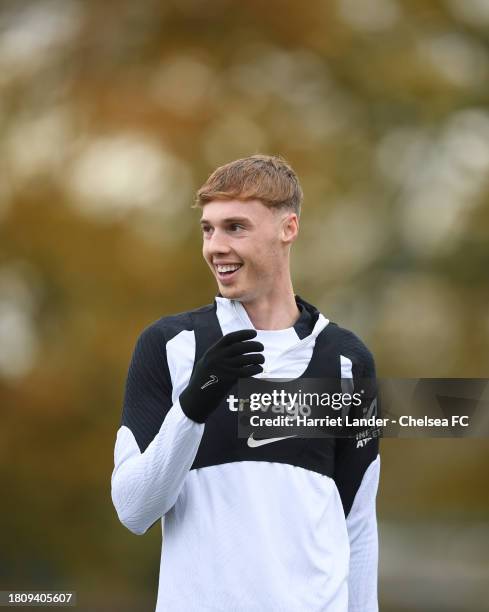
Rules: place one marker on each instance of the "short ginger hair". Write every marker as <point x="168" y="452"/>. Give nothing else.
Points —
<point x="266" y="178"/>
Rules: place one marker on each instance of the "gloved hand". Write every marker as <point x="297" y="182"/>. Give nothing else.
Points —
<point x="217" y="371"/>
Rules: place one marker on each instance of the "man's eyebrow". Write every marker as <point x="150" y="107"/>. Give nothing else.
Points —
<point x="228" y="220"/>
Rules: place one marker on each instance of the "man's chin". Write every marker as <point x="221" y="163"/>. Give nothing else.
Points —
<point x="231" y="293"/>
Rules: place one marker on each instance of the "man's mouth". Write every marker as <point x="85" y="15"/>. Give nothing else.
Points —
<point x="227" y="272"/>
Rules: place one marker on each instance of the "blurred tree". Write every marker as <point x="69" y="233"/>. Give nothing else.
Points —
<point x="111" y="115"/>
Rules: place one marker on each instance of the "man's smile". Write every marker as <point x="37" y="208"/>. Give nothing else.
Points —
<point x="226" y="273"/>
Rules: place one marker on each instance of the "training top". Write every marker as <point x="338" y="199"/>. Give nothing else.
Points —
<point x="284" y="526"/>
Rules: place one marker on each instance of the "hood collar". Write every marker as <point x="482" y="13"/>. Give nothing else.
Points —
<point x="310" y="321"/>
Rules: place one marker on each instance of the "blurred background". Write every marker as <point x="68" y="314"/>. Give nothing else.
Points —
<point x="112" y="114"/>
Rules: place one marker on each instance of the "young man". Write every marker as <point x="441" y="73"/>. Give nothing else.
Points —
<point x="283" y="524"/>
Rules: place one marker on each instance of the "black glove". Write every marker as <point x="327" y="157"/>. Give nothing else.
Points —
<point x="217" y="371"/>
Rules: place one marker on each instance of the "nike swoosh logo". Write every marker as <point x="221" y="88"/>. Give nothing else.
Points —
<point x="213" y="379"/>
<point x="252" y="443"/>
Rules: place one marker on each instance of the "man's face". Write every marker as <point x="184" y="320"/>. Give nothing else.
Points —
<point x="245" y="245"/>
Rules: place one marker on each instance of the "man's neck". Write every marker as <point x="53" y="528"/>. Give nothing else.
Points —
<point x="273" y="311"/>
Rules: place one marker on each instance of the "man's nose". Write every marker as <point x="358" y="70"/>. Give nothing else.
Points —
<point x="218" y="243"/>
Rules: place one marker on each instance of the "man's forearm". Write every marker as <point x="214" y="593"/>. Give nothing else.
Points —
<point x="146" y="485"/>
<point x="362" y="532"/>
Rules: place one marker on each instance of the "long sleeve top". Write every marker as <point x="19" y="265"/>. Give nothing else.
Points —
<point x="281" y="526"/>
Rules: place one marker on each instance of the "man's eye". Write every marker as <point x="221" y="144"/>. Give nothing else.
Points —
<point x="236" y="227"/>
<point x="206" y="229"/>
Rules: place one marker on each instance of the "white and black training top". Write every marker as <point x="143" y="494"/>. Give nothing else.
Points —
<point x="288" y="526"/>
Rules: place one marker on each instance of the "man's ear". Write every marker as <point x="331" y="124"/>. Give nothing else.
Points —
<point x="289" y="228"/>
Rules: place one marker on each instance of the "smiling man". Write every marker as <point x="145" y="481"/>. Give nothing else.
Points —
<point x="279" y="524"/>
